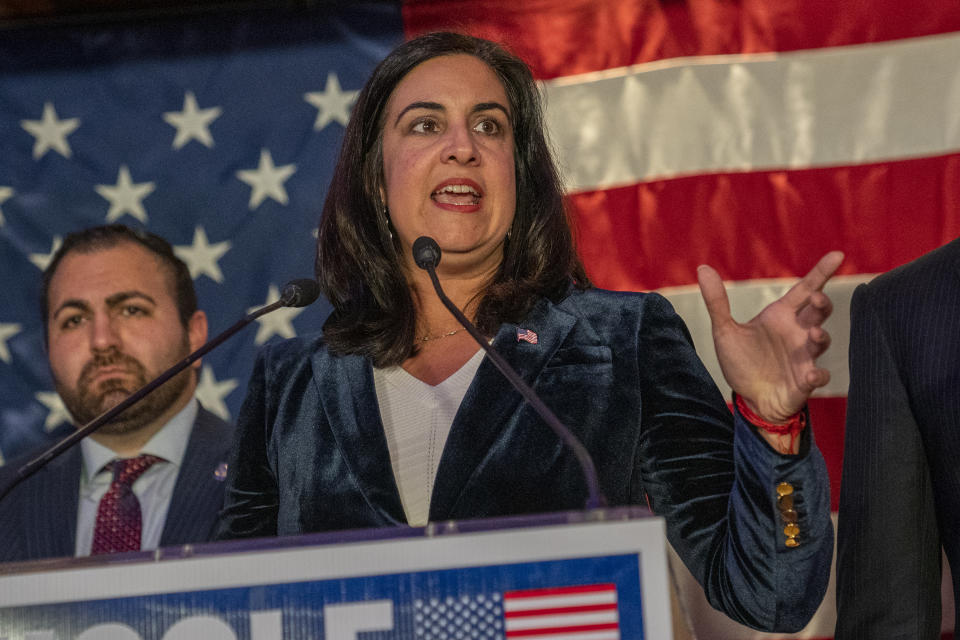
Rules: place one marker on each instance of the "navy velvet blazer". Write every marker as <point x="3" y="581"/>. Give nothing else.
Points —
<point x="900" y="496"/>
<point x="620" y="370"/>
<point x="38" y="519"/>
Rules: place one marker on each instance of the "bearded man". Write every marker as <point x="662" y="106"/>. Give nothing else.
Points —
<point x="118" y="309"/>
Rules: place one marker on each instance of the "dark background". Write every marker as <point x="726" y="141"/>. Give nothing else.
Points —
<point x="24" y="12"/>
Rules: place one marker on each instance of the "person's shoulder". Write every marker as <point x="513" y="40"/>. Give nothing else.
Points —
<point x="65" y="463"/>
<point x="289" y="351"/>
<point x="594" y="295"/>
<point x="620" y="312"/>
<point x="211" y="437"/>
<point x="13" y="464"/>
<point x="211" y="422"/>
<point x="941" y="264"/>
<point x="300" y="358"/>
<point x="603" y="301"/>
<point x="7" y="473"/>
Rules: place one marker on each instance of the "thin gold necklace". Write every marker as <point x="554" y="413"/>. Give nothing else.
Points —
<point x="442" y="335"/>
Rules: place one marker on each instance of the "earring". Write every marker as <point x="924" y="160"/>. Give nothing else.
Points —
<point x="386" y="216"/>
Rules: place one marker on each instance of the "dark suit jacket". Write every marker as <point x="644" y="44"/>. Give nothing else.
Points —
<point x="900" y="495"/>
<point x="619" y="369"/>
<point x="38" y="519"/>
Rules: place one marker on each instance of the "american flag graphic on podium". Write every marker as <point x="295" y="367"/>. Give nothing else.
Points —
<point x="563" y="613"/>
<point x="580" y="612"/>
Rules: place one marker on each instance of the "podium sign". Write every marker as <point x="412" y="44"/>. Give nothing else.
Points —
<point x="585" y="581"/>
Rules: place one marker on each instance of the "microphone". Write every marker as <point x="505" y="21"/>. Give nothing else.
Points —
<point x="299" y="293"/>
<point x="426" y="253"/>
<point x="296" y="293"/>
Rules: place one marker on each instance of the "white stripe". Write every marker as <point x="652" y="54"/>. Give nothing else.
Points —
<point x="561" y="620"/>
<point x="588" y="635"/>
<point x="566" y="600"/>
<point x="813" y="108"/>
<point x="747" y="298"/>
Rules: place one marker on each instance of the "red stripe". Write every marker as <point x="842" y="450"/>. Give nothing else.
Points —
<point x="827" y="417"/>
<point x="559" y="591"/>
<point x="609" y="626"/>
<point x="767" y="223"/>
<point x="559" y="38"/>
<point x="561" y="610"/>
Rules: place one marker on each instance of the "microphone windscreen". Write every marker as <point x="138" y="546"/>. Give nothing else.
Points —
<point x="426" y="252"/>
<point x="300" y="292"/>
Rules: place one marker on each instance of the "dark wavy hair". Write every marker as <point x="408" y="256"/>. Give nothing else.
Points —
<point x="104" y="237"/>
<point x="359" y="266"/>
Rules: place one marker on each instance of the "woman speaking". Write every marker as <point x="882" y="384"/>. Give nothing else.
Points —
<point x="394" y="414"/>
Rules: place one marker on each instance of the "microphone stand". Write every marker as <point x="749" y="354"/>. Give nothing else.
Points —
<point x="595" y="498"/>
<point x="297" y="293"/>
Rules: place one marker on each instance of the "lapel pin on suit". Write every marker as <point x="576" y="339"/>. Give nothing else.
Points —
<point x="220" y="473"/>
<point x="526" y="335"/>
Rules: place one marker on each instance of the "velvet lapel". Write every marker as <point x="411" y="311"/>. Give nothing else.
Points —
<point x="50" y="508"/>
<point x="491" y="403"/>
<point x="198" y="493"/>
<point x="349" y="401"/>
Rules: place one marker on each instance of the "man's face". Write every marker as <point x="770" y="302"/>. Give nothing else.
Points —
<point x="113" y="326"/>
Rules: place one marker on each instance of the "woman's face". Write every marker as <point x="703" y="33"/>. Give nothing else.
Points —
<point x="448" y="162"/>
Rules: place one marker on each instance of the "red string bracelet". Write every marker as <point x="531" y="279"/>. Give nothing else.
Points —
<point x="793" y="426"/>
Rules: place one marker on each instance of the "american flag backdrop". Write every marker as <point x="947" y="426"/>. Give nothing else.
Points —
<point x="752" y="135"/>
<point x="218" y="132"/>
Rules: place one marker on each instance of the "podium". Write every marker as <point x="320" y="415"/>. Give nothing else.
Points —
<point x="586" y="575"/>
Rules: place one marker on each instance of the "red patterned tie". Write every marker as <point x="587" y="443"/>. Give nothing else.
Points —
<point x="118" y="516"/>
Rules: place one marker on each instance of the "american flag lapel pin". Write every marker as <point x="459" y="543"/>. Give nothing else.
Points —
<point x="526" y="335"/>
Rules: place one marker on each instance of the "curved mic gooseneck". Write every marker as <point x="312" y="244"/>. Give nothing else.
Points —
<point x="426" y="253"/>
<point x="296" y="293"/>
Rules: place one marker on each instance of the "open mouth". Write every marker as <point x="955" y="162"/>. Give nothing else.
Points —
<point x="457" y="194"/>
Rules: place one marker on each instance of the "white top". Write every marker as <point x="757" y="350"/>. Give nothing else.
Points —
<point x="416" y="419"/>
<point x="153" y="489"/>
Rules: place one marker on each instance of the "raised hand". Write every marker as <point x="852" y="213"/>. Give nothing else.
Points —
<point x="771" y="360"/>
